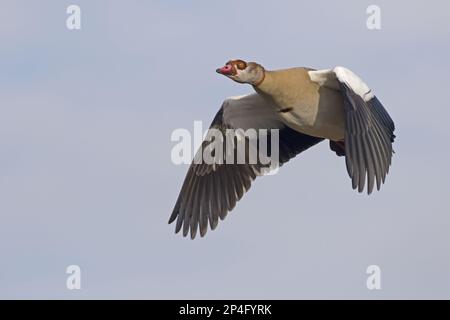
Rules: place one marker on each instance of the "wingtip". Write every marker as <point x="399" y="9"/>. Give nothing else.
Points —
<point x="185" y="229"/>
<point x="171" y="219"/>
<point x="203" y="232"/>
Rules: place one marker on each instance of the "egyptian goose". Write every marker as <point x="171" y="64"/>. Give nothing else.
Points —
<point x="306" y="106"/>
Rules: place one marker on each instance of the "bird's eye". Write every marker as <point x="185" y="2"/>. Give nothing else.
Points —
<point x="241" y="65"/>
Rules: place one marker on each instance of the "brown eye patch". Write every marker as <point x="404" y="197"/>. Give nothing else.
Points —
<point x="241" y="64"/>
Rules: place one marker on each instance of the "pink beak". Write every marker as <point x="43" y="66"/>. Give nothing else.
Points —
<point x="225" y="70"/>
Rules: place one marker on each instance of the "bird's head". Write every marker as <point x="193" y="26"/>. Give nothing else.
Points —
<point x="243" y="72"/>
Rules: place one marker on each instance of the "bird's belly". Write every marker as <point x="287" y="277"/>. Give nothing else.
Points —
<point x="325" y="119"/>
<point x="329" y="130"/>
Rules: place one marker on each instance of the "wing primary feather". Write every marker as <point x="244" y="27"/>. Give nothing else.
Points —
<point x="204" y="209"/>
<point x="194" y="219"/>
<point x="375" y="154"/>
<point x="189" y="209"/>
<point x="214" y="207"/>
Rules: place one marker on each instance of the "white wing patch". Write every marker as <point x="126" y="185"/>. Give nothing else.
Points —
<point x="331" y="78"/>
<point x="238" y="97"/>
<point x="326" y="78"/>
<point x="354" y="82"/>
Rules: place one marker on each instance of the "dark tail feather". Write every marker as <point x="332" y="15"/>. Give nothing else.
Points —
<point x="338" y="147"/>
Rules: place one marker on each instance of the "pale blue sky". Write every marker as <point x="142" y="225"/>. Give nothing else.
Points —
<point x="85" y="170"/>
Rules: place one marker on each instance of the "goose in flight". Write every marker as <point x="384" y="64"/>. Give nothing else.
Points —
<point x="306" y="106"/>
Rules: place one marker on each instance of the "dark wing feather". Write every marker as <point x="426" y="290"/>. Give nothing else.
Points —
<point x="210" y="192"/>
<point x="368" y="140"/>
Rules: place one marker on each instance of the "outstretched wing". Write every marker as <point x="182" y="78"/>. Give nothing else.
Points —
<point x="369" y="130"/>
<point x="211" y="190"/>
